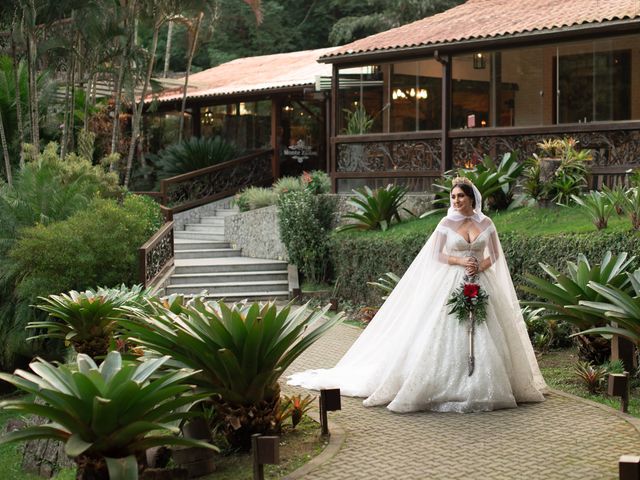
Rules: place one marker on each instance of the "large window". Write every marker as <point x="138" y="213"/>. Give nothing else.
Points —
<point x="245" y="124"/>
<point x="416" y="101"/>
<point x="360" y="100"/>
<point x="593" y="81"/>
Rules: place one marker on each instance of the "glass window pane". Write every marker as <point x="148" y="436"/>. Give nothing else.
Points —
<point x="470" y="91"/>
<point x="360" y="100"/>
<point x="245" y="124"/>
<point x="416" y="100"/>
<point x="520" y="98"/>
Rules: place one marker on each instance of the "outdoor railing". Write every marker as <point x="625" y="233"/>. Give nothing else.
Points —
<point x="156" y="256"/>
<point x="206" y="185"/>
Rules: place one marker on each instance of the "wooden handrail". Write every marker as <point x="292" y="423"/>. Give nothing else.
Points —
<point x="160" y="245"/>
<point x="203" y="171"/>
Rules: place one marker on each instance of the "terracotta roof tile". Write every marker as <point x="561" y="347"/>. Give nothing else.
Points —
<point x="478" y="19"/>
<point x="252" y="74"/>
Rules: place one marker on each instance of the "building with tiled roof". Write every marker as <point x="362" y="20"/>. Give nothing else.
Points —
<point x="484" y="78"/>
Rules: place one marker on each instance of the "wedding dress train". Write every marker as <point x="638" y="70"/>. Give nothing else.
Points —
<point x="413" y="354"/>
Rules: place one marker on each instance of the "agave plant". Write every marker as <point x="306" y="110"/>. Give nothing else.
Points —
<point x="86" y="320"/>
<point x="240" y="351"/>
<point x="560" y="296"/>
<point x="387" y="282"/>
<point x="194" y="154"/>
<point x="375" y="209"/>
<point x="598" y="206"/>
<point x="106" y="416"/>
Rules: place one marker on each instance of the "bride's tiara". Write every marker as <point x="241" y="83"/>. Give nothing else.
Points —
<point x="459" y="180"/>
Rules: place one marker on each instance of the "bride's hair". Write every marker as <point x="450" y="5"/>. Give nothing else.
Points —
<point x="467" y="189"/>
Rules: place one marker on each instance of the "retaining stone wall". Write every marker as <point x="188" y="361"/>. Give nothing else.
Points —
<point x="257" y="233"/>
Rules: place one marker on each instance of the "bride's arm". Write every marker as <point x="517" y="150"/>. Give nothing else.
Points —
<point x="493" y="248"/>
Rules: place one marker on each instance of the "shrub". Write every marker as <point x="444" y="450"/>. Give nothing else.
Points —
<point x="591" y="376"/>
<point x="305" y="222"/>
<point x="631" y="206"/>
<point x="316" y="181"/>
<point x="358" y="259"/>
<point x="287" y="184"/>
<point x="193" y="154"/>
<point x="253" y="198"/>
<point x="375" y="210"/>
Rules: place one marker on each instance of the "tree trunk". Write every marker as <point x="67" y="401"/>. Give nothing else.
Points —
<point x="5" y="152"/>
<point x="16" y="79"/>
<point x="192" y="51"/>
<point x="65" y="115"/>
<point x="32" y="52"/>
<point x="137" y="110"/>
<point x="167" y="50"/>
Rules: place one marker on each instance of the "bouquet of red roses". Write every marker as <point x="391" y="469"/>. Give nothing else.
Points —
<point x="469" y="301"/>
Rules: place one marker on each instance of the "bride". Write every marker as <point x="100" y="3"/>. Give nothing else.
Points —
<point x="414" y="354"/>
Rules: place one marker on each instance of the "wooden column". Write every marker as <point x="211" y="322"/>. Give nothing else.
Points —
<point x="447" y="146"/>
<point x="333" y="115"/>
<point x="276" y="136"/>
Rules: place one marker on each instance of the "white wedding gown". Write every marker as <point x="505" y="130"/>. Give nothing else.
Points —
<point x="413" y="354"/>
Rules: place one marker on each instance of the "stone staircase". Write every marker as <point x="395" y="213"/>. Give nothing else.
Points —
<point x="204" y="262"/>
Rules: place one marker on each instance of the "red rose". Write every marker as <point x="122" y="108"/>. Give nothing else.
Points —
<point x="471" y="290"/>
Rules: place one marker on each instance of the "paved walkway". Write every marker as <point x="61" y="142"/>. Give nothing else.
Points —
<point x="562" y="438"/>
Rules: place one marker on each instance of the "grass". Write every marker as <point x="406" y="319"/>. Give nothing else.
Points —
<point x="533" y="220"/>
<point x="557" y="369"/>
<point x="297" y="447"/>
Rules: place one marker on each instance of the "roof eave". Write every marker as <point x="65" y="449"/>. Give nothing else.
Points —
<point x="536" y="37"/>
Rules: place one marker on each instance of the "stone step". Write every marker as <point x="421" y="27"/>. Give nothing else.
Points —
<point x="206" y="253"/>
<point x="225" y="212"/>
<point x="198" y="236"/>
<point x="200" y="227"/>
<point x="186" y="244"/>
<point x="228" y="264"/>
<point x="226" y="288"/>
<point x="227" y="277"/>
<point x="212" y="220"/>
<point x="251" y="296"/>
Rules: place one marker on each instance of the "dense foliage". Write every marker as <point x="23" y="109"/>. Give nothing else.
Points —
<point x="375" y="209"/>
<point x="359" y="259"/>
<point x="305" y="222"/>
<point x="193" y="154"/>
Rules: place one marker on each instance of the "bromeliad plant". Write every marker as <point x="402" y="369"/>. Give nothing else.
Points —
<point x="598" y="206"/>
<point x="88" y="319"/>
<point x="239" y="350"/>
<point x="619" y="306"/>
<point x="375" y="210"/>
<point x="631" y="206"/>
<point x="562" y="296"/>
<point x="107" y="415"/>
<point x="295" y="407"/>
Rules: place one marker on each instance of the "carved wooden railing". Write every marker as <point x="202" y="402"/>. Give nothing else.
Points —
<point x="182" y="192"/>
<point x="156" y="256"/>
<point x="218" y="181"/>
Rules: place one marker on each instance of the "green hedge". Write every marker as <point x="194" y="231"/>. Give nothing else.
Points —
<point x="357" y="260"/>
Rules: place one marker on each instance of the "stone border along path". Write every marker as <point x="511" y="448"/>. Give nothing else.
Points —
<point x="563" y="438"/>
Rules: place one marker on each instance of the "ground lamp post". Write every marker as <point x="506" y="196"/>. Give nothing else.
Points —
<point x="266" y="451"/>
<point x="329" y="402"/>
<point x="629" y="467"/>
<point x="619" y="387"/>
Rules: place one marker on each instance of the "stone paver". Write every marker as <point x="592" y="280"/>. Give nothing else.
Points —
<point x="562" y="438"/>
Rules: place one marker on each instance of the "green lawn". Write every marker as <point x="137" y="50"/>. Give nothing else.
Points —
<point x="533" y="220"/>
